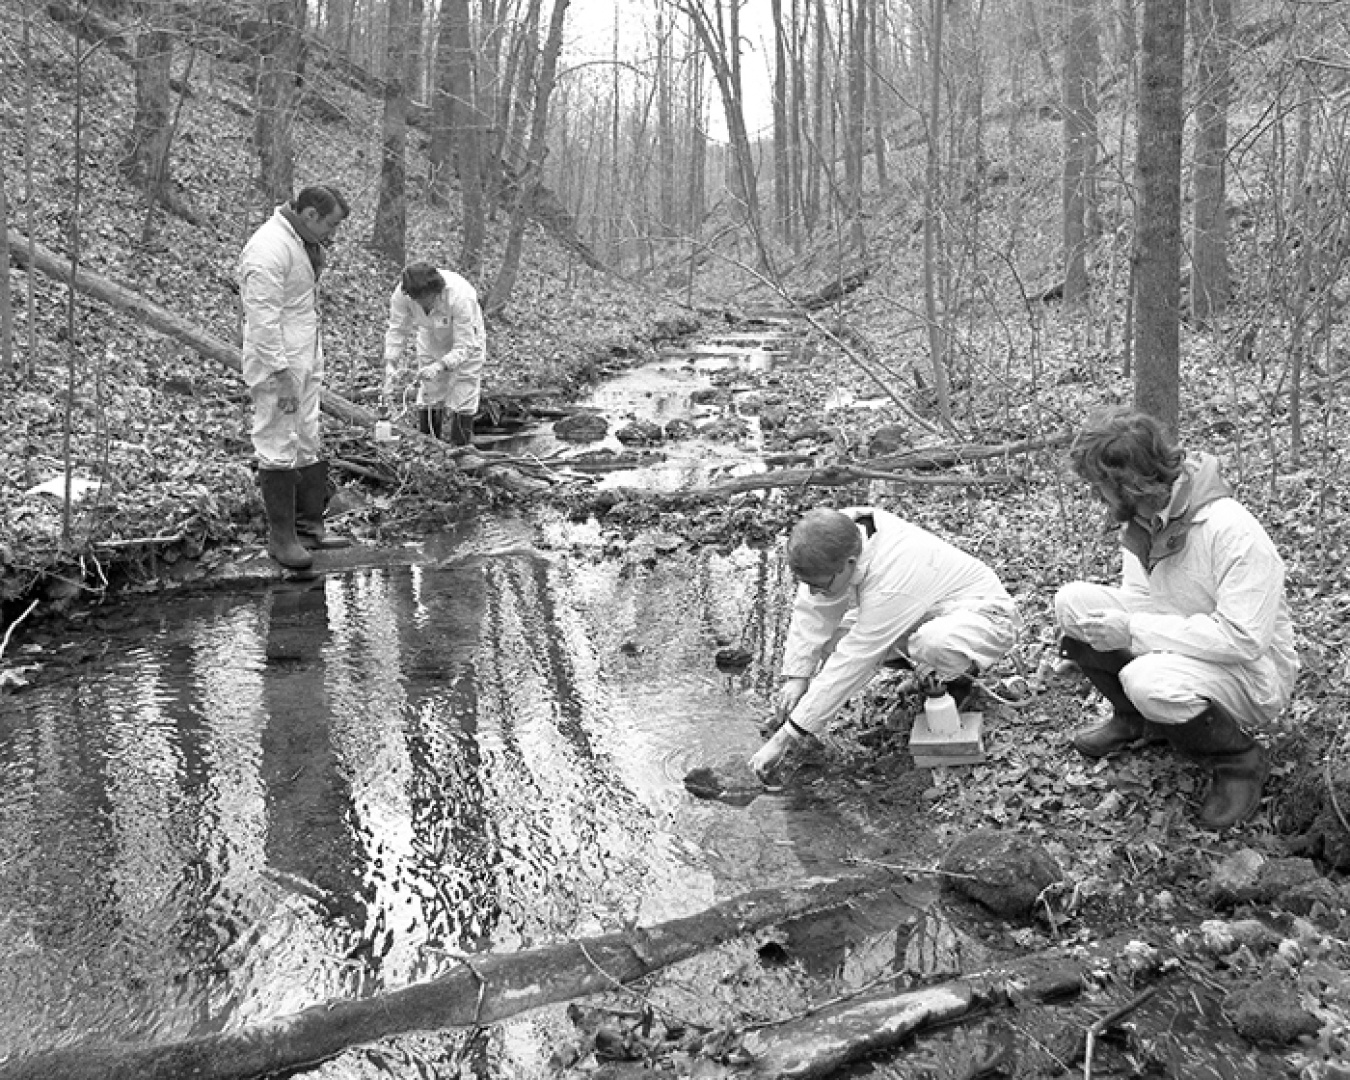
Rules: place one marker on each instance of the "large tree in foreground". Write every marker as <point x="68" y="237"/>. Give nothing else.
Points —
<point x="1157" y="279"/>
<point x="276" y="94"/>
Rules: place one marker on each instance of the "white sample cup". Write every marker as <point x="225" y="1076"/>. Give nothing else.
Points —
<point x="384" y="431"/>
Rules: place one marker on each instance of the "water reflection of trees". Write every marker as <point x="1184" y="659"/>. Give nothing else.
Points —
<point x="315" y="791"/>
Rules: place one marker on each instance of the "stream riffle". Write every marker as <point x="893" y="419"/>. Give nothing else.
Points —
<point x="262" y="798"/>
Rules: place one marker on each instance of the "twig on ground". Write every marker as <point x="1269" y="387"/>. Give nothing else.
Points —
<point x="937" y="871"/>
<point x="9" y="630"/>
<point x="1108" y="1021"/>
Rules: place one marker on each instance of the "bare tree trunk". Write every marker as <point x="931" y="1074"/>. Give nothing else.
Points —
<point x="1080" y="141"/>
<point x="855" y="121"/>
<point x="1212" y="34"/>
<point x="468" y="122"/>
<point x="874" y="68"/>
<point x="528" y="182"/>
<point x="151" y="133"/>
<point x="665" y="128"/>
<point x="782" y="138"/>
<point x="818" y="158"/>
<point x="932" y="245"/>
<point x="718" y="31"/>
<point x="277" y="94"/>
<point x="389" y="234"/>
<point x="1158" y="280"/>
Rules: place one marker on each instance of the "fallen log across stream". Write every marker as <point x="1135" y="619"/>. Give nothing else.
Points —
<point x="161" y="319"/>
<point x="890" y="468"/>
<point x="484" y="990"/>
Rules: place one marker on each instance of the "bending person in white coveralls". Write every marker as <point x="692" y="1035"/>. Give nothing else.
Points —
<point x="278" y="277"/>
<point x="872" y="588"/>
<point x="451" y="348"/>
<point x="1196" y="643"/>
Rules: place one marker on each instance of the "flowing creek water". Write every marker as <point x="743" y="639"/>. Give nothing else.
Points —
<point x="286" y="792"/>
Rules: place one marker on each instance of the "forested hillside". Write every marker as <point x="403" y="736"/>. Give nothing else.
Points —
<point x="959" y="204"/>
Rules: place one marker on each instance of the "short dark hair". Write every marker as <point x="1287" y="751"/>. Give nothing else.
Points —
<point x="821" y="542"/>
<point x="1129" y="452"/>
<point x="323" y="198"/>
<point x="421" y="279"/>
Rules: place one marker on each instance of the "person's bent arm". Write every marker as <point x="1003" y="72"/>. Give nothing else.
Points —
<point x="395" y="340"/>
<point x="882" y="620"/>
<point x="1249" y="588"/>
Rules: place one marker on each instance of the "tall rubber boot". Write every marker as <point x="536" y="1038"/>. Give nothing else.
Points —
<point x="431" y="421"/>
<point x="278" y="487"/>
<point x="311" y="496"/>
<point x="1238" y="765"/>
<point x="1127" y="725"/>
<point x="461" y="429"/>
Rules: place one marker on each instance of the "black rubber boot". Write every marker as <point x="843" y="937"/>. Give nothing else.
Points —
<point x="430" y="421"/>
<point x="311" y="497"/>
<point x="1238" y="765"/>
<point x="1127" y="726"/>
<point x="278" y="487"/>
<point x="461" y="429"/>
<point x="962" y="687"/>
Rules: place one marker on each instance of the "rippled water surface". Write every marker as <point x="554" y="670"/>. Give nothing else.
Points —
<point x="261" y="800"/>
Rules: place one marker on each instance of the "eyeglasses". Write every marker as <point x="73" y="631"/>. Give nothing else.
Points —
<point x="816" y="585"/>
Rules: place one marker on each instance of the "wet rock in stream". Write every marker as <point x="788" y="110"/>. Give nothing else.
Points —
<point x="732" y="783"/>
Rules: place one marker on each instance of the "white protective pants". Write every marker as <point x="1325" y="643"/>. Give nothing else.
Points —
<point x="1166" y="687"/>
<point x="286" y="439"/>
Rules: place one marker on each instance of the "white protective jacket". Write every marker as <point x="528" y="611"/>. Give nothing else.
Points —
<point x="450" y="335"/>
<point x="1215" y="589"/>
<point x="904" y="576"/>
<point x="279" y="294"/>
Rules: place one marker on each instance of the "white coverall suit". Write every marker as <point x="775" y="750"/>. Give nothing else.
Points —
<point x="1209" y="620"/>
<point x="450" y="336"/>
<point x="913" y="594"/>
<point x="279" y="292"/>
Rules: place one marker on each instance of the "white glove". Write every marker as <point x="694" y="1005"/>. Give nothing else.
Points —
<point x="770" y="756"/>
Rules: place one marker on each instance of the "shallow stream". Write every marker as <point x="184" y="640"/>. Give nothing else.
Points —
<point x="290" y="792"/>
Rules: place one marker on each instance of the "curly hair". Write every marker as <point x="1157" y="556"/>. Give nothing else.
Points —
<point x="1128" y="452"/>
<point x="821" y="542"/>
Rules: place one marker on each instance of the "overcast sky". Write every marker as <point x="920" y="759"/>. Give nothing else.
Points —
<point x="590" y="36"/>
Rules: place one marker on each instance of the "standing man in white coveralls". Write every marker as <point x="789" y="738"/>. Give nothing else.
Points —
<point x="874" y="588"/>
<point x="451" y="348"/>
<point x="1195" y="646"/>
<point x="278" y="277"/>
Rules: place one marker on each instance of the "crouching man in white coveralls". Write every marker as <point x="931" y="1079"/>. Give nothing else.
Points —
<point x="451" y="348"/>
<point x="1195" y="645"/>
<point x="278" y="277"/>
<point x="875" y="588"/>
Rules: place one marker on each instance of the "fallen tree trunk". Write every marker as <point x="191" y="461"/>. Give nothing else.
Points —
<point x="840" y="476"/>
<point x="165" y="321"/>
<point x="944" y="457"/>
<point x="819" y="1045"/>
<point x="486" y="990"/>
<point x="885" y="468"/>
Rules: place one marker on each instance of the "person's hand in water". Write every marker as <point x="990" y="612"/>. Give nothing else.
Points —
<point x="769" y="758"/>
